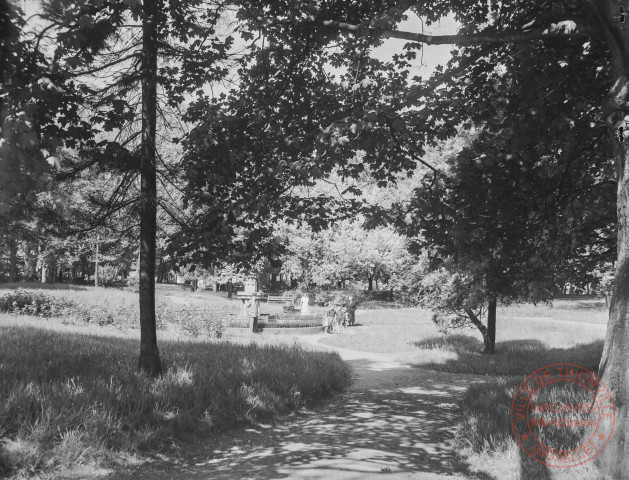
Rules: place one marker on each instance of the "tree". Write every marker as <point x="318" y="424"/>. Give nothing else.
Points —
<point x="104" y="36"/>
<point x="38" y="114"/>
<point x="345" y="251"/>
<point x="506" y="226"/>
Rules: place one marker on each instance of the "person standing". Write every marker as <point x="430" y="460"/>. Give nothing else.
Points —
<point x="305" y="308"/>
<point x="351" y="307"/>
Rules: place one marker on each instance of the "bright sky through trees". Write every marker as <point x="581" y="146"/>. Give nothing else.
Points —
<point x="431" y="55"/>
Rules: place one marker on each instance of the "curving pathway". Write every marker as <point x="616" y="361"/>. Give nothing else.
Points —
<point x="395" y="420"/>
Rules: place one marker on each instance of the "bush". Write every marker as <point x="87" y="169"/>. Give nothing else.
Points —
<point x="67" y="399"/>
<point x="133" y="284"/>
<point x="38" y="304"/>
<point x="195" y="322"/>
<point x="84" y="308"/>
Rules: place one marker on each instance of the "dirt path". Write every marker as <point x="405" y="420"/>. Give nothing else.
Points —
<point x="395" y="420"/>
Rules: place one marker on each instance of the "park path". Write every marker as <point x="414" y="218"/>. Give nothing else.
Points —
<point x="395" y="420"/>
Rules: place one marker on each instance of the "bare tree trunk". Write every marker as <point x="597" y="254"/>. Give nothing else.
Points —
<point x="96" y="264"/>
<point x="491" y="323"/>
<point x="370" y="283"/>
<point x="12" y="260"/>
<point x="26" y="258"/>
<point x="160" y="271"/>
<point x="614" y="367"/>
<point x="42" y="259"/>
<point x="149" y="354"/>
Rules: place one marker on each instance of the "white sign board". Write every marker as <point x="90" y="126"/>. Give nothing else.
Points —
<point x="251" y="285"/>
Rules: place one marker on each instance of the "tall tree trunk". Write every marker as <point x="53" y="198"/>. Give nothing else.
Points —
<point x="614" y="367"/>
<point x="26" y="253"/>
<point x="42" y="259"/>
<point x="149" y="354"/>
<point x="491" y="323"/>
<point x="370" y="283"/>
<point x="613" y="460"/>
<point x="12" y="260"/>
<point x="96" y="264"/>
<point x="160" y="271"/>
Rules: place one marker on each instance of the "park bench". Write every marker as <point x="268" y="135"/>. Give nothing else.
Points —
<point x="287" y="300"/>
<point x="275" y="299"/>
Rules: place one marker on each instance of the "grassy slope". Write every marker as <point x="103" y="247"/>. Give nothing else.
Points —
<point x="69" y="398"/>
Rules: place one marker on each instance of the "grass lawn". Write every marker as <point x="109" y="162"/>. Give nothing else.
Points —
<point x="70" y="394"/>
<point x="67" y="398"/>
<point x="527" y="337"/>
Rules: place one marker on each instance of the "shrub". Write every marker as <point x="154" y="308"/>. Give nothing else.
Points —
<point x="195" y="322"/>
<point x="292" y="323"/>
<point x="107" y="274"/>
<point x="82" y="308"/>
<point x="39" y="304"/>
<point x="133" y="284"/>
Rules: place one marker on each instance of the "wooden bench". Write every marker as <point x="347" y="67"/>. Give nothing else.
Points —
<point x="287" y="301"/>
<point x="276" y="299"/>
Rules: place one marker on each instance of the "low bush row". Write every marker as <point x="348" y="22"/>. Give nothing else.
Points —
<point x="116" y="310"/>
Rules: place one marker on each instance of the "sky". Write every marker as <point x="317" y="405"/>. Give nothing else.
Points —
<point x="433" y="55"/>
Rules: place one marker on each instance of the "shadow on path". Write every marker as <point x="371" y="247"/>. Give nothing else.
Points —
<point x="395" y="420"/>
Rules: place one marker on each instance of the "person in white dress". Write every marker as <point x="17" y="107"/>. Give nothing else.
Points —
<point x="305" y="308"/>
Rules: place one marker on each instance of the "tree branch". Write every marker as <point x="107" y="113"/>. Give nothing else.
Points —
<point x="475" y="320"/>
<point x="565" y="29"/>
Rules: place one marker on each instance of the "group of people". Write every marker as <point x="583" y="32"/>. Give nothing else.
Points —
<point x="340" y="317"/>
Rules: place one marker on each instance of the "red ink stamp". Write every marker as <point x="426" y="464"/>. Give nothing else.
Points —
<point x="562" y="415"/>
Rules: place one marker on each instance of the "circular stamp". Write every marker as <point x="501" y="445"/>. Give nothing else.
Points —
<point x="562" y="415"/>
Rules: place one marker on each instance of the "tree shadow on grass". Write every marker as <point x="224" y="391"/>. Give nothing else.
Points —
<point x="485" y="424"/>
<point x="396" y="420"/>
<point x="462" y="354"/>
